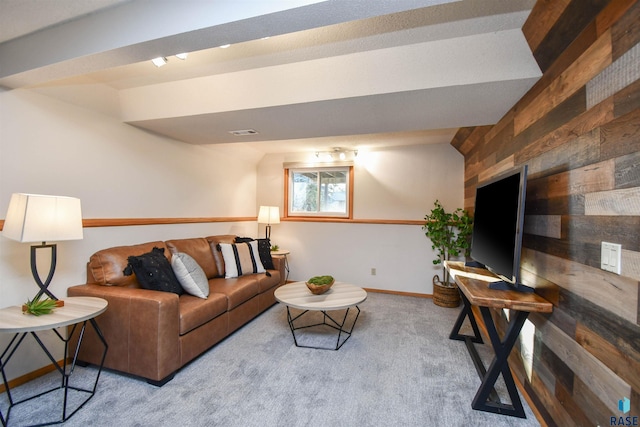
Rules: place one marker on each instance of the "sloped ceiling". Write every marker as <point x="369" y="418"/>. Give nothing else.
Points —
<point x="304" y="74"/>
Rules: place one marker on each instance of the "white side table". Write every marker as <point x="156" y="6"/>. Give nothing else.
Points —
<point x="76" y="311"/>
<point x="282" y="253"/>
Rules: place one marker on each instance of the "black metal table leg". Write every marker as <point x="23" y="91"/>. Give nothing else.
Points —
<point x="487" y="398"/>
<point x="65" y="370"/>
<point x="337" y="325"/>
<point x="500" y="364"/>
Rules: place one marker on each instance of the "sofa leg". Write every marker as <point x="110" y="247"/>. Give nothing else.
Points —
<point x="162" y="381"/>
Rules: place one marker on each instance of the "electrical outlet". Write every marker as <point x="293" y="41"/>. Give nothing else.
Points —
<point x="611" y="257"/>
<point x="373" y="271"/>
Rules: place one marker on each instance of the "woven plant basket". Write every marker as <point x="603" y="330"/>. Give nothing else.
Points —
<point x="445" y="296"/>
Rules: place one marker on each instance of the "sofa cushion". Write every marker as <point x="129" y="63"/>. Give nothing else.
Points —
<point x="238" y="290"/>
<point x="190" y="275"/>
<point x="200" y="250"/>
<point x="267" y="282"/>
<point x="196" y="311"/>
<point x="106" y="266"/>
<point x="153" y="271"/>
<point x="241" y="259"/>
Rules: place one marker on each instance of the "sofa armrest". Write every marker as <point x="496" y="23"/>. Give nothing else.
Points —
<point x="141" y="328"/>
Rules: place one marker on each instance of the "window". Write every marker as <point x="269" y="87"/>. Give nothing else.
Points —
<point x="319" y="191"/>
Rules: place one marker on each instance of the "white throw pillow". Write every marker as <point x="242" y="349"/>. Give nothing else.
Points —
<point x="190" y="275"/>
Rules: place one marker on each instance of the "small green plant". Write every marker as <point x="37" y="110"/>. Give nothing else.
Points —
<point x="274" y="248"/>
<point x="320" y="280"/>
<point x="38" y="306"/>
<point x="449" y="233"/>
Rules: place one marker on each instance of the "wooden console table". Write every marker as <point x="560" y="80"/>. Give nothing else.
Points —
<point x="474" y="290"/>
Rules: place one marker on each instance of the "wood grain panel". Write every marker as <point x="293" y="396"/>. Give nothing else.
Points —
<point x="543" y="225"/>
<point x="475" y="139"/>
<point x="460" y="137"/>
<point x="596" y="375"/>
<point x="552" y="410"/>
<point x="627" y="100"/>
<point x="598" y="56"/>
<point x="579" y="125"/>
<point x="631" y="266"/>
<point x="606" y="323"/>
<point x="578" y="417"/>
<point x="576" y="16"/>
<point x="612" y="13"/>
<point x="625" y="365"/>
<point x="626" y="33"/>
<point x="571" y="205"/>
<point x="621" y="136"/>
<point x="580" y="151"/>
<point x="615" y="202"/>
<point x="595" y="229"/>
<point x="543" y="17"/>
<point x="620" y="74"/>
<point x="596" y="177"/>
<point x="561" y="371"/>
<point x="596" y="411"/>
<point x="497" y="168"/>
<point x="602" y="288"/>
<point x="628" y="171"/>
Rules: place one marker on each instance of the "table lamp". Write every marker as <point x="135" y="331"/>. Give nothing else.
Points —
<point x="269" y="215"/>
<point x="41" y="218"/>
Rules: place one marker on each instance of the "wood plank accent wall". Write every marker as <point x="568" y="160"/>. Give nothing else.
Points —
<point x="578" y="129"/>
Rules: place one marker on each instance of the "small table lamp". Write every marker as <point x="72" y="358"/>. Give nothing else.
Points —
<point x="40" y="218"/>
<point x="269" y="215"/>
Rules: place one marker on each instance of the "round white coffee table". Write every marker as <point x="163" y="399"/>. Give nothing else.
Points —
<point x="341" y="296"/>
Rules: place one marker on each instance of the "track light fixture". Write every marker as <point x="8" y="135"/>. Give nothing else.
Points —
<point x="159" y="61"/>
<point x="336" y="153"/>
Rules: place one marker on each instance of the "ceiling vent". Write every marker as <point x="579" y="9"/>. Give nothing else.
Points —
<point x="243" y="132"/>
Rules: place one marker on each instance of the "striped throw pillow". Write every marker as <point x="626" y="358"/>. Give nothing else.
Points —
<point x="241" y="259"/>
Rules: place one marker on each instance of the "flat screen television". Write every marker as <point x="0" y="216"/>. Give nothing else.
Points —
<point x="496" y="240"/>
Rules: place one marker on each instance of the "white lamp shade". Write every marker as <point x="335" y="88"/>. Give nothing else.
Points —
<point x="269" y="215"/>
<point x="41" y="218"/>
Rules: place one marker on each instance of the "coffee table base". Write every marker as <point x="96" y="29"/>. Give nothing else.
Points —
<point x="343" y="334"/>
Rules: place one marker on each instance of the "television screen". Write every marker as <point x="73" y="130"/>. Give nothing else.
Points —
<point x="496" y="241"/>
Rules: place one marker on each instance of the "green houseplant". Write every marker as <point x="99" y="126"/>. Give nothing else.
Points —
<point x="450" y="234"/>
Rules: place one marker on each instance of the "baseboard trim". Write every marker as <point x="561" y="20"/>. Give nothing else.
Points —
<point x="400" y="293"/>
<point x="30" y="376"/>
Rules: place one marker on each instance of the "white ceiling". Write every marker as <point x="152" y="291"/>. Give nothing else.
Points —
<point x="348" y="73"/>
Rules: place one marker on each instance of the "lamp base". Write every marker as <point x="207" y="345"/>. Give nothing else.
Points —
<point x="52" y="268"/>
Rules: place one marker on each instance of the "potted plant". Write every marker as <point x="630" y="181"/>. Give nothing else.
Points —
<point x="450" y="234"/>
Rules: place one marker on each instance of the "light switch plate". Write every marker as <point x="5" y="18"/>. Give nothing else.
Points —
<point x="611" y="257"/>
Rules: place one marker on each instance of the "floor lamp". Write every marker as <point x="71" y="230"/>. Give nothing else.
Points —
<point x="269" y="215"/>
<point x="41" y="218"/>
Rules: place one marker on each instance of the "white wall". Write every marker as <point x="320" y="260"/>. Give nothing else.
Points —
<point x="398" y="183"/>
<point x="118" y="171"/>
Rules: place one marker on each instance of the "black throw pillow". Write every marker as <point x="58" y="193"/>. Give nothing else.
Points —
<point x="153" y="271"/>
<point x="264" y="250"/>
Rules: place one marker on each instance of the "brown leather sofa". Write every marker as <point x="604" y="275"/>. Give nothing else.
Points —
<point x="152" y="334"/>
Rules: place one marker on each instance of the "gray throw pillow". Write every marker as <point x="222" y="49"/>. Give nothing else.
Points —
<point x="190" y="275"/>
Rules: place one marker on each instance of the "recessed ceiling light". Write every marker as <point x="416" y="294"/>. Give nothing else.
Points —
<point x="224" y="46"/>
<point x="243" y="132"/>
